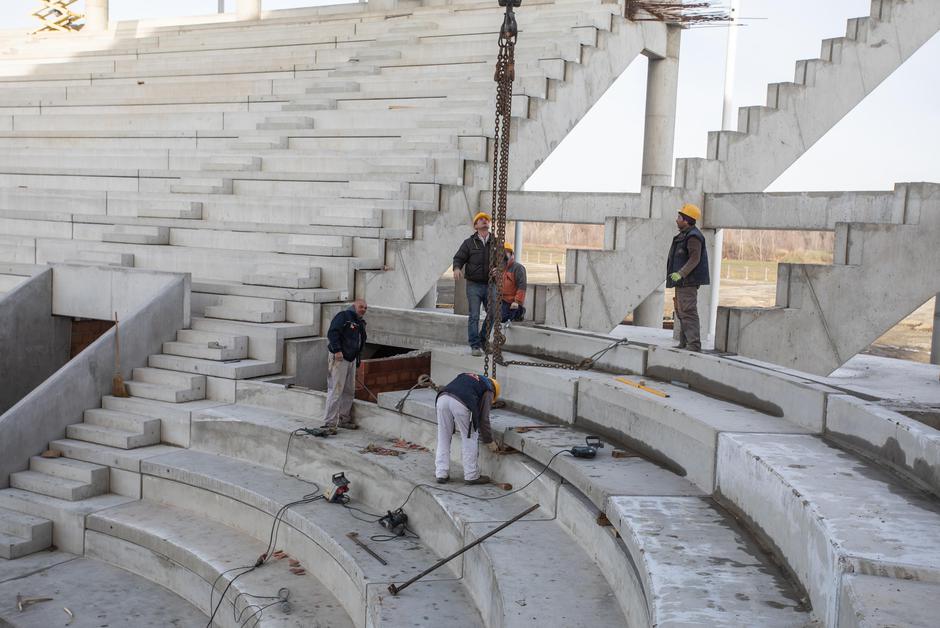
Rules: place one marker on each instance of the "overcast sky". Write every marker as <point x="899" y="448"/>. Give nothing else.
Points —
<point x="894" y="135"/>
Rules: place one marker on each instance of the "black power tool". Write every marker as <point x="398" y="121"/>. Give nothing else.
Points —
<point x="336" y="494"/>
<point x="589" y="449"/>
<point x="395" y="522"/>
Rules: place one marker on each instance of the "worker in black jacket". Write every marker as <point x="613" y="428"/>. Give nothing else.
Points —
<point x="347" y="337"/>
<point x="463" y="406"/>
<point x="472" y="262"/>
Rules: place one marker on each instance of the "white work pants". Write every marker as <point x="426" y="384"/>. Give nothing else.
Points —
<point x="451" y="415"/>
<point x="340" y="390"/>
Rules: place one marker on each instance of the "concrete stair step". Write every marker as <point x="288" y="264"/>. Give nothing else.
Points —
<point x="107" y="455"/>
<point x="126" y="421"/>
<point x="68" y="469"/>
<point x="830" y="514"/>
<point x="244" y="368"/>
<point x="193" y="185"/>
<point x="106" y="257"/>
<point x="111" y="436"/>
<point x="168" y="378"/>
<point x="166" y="392"/>
<point x="317" y="245"/>
<point x="284" y="277"/>
<point x="287" y="123"/>
<point x="127" y="234"/>
<point x="186" y="553"/>
<point x="55" y="486"/>
<point x="233" y="162"/>
<point x="210" y="346"/>
<point x="310" y="103"/>
<point x="22" y="534"/>
<point x="248" y="309"/>
<point x="184" y="211"/>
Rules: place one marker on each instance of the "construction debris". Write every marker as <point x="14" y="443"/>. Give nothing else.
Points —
<point x="372" y="448"/>
<point x="69" y="613"/>
<point x="676" y="12"/>
<point x="407" y="444"/>
<point x="22" y="603"/>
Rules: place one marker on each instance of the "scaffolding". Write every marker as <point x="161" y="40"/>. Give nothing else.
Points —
<point x="56" y="15"/>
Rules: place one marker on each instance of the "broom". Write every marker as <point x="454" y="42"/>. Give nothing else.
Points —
<point x="117" y="382"/>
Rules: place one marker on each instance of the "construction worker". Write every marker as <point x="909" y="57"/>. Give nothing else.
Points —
<point x="347" y="338"/>
<point x="472" y="262"/>
<point x="463" y="406"/>
<point x="686" y="270"/>
<point x="513" y="287"/>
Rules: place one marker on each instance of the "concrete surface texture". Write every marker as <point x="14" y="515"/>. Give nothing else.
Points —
<point x="227" y="184"/>
<point x="33" y="342"/>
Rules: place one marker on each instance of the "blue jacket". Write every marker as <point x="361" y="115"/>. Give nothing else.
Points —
<point x="475" y="392"/>
<point x="679" y="255"/>
<point x="347" y="334"/>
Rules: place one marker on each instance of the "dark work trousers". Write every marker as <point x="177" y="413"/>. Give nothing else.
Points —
<point x="687" y="313"/>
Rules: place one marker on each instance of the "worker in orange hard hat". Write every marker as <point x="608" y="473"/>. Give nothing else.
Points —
<point x="463" y="406"/>
<point x="686" y="270"/>
<point x="472" y="262"/>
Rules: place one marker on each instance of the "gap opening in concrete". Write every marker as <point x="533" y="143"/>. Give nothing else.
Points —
<point x="928" y="416"/>
<point x="385" y="368"/>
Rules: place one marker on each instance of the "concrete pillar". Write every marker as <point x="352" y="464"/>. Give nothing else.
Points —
<point x="461" y="305"/>
<point x="662" y="86"/>
<point x="96" y="15"/>
<point x="249" y="9"/>
<point x="518" y="242"/>
<point x="935" y="345"/>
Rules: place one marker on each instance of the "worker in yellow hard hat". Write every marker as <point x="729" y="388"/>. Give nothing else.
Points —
<point x="686" y="270"/>
<point x="472" y="262"/>
<point x="463" y="407"/>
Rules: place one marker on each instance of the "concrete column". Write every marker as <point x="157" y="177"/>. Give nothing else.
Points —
<point x="96" y="15"/>
<point x="518" y="242"/>
<point x="662" y="86"/>
<point x="935" y="345"/>
<point x="249" y="9"/>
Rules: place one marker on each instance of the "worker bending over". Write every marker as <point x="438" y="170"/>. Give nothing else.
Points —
<point x="463" y="406"/>
<point x="686" y="270"/>
<point x="347" y="338"/>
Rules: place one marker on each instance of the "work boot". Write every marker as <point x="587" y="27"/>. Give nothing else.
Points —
<point x="476" y="352"/>
<point x="329" y="429"/>
<point x="443" y="480"/>
<point x="483" y="479"/>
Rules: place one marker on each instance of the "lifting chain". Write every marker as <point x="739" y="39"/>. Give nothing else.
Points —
<point x="504" y="76"/>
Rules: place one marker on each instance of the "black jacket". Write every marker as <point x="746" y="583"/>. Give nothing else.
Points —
<point x="347" y="333"/>
<point x="474" y="257"/>
<point x="679" y="255"/>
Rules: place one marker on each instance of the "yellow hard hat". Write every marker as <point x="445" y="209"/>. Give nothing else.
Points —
<point x="508" y="247"/>
<point x="482" y="215"/>
<point x="692" y="211"/>
<point x="495" y="387"/>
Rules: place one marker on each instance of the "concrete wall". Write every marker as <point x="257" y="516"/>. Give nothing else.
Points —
<point x="33" y="342"/>
<point x="27" y="427"/>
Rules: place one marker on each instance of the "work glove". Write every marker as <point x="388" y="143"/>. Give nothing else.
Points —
<point x="514" y="306"/>
<point x="493" y="447"/>
<point x="675" y="277"/>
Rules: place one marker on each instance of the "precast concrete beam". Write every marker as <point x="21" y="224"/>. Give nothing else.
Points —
<point x="590" y="208"/>
<point x="799" y="211"/>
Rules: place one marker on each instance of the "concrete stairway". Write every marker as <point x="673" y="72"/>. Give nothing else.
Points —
<point x="771" y="138"/>
<point x="21" y="534"/>
<point x="816" y="309"/>
<point x="62" y="478"/>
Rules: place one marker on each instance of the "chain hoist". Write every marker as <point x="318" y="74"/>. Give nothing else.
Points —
<point x="504" y="76"/>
